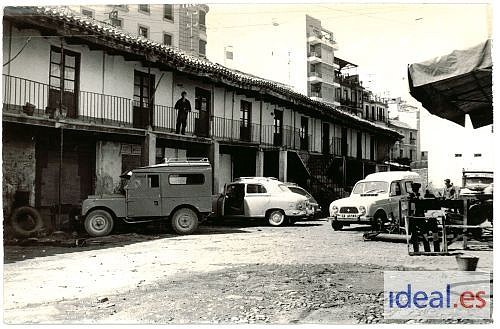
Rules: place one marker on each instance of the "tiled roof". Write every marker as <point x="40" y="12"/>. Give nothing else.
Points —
<point x="202" y="67"/>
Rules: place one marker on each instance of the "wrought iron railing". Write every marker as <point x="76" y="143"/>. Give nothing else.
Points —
<point x="43" y="101"/>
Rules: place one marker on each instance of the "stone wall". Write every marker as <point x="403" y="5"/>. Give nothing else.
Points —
<point x="18" y="169"/>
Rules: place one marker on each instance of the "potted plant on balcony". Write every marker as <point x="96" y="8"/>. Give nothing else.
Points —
<point x="29" y="109"/>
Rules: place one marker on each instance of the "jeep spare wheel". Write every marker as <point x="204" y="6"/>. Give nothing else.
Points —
<point x="184" y="221"/>
<point x="99" y="223"/>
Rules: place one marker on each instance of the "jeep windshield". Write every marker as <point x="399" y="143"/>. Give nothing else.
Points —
<point x="370" y="187"/>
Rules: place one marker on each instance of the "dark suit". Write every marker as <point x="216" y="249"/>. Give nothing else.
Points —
<point x="183" y="107"/>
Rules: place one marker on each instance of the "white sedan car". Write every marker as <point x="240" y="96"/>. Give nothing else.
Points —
<point x="261" y="197"/>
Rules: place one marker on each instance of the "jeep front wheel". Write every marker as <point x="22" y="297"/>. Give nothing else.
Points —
<point x="99" y="223"/>
<point x="184" y="221"/>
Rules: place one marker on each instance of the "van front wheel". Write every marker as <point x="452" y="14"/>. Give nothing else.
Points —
<point x="184" y="221"/>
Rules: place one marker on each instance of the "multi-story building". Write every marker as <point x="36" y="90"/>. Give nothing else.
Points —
<point x="83" y="102"/>
<point x="321" y="64"/>
<point x="407" y="117"/>
<point x="405" y="150"/>
<point x="178" y="25"/>
<point x="376" y="108"/>
<point x="349" y="93"/>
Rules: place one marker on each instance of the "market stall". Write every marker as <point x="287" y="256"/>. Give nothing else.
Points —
<point x="456" y="84"/>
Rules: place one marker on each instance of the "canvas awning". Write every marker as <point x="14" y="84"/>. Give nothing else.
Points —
<point x="457" y="84"/>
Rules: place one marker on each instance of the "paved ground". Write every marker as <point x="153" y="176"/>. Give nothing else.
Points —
<point x="227" y="273"/>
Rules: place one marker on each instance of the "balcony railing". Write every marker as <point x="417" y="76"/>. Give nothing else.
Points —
<point x="41" y="100"/>
<point x="315" y="54"/>
<point x="315" y="74"/>
<point x="316" y="94"/>
<point x="38" y="100"/>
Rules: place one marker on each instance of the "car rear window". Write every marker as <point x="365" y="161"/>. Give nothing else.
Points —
<point x="284" y="188"/>
<point x="255" y="188"/>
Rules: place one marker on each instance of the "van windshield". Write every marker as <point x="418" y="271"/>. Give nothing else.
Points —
<point x="370" y="187"/>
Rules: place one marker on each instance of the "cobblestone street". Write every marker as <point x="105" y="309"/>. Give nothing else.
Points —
<point x="227" y="273"/>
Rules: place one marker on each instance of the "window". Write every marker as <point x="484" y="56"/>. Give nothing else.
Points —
<point x="143" y="86"/>
<point x="255" y="188"/>
<point x="144" y="8"/>
<point x="400" y="153"/>
<point x="367" y="115"/>
<point x="153" y="181"/>
<point x="167" y="39"/>
<point x="168" y="12"/>
<point x="373" y="112"/>
<point x="203" y="47"/>
<point x="87" y="12"/>
<point x="186" y="179"/>
<point x="143" y="31"/>
<point x="116" y="22"/>
<point x="458" y="155"/>
<point x="245" y="113"/>
<point x="411" y="155"/>
<point x="64" y="72"/>
<point x="395" y="188"/>
<point x="202" y="18"/>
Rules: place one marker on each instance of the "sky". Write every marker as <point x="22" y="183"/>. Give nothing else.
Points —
<point x="382" y="39"/>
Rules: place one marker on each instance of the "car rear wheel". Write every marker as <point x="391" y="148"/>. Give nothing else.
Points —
<point x="184" y="221"/>
<point x="337" y="226"/>
<point x="276" y="218"/>
<point x="99" y="223"/>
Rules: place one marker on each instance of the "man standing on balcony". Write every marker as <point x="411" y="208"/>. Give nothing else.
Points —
<point x="183" y="107"/>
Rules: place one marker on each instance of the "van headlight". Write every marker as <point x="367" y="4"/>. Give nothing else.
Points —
<point x="333" y="210"/>
<point x="362" y="210"/>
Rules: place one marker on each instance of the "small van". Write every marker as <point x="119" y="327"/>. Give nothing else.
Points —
<point x="374" y="200"/>
<point x="179" y="190"/>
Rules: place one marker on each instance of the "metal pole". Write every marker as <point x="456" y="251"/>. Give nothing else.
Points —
<point x="58" y="222"/>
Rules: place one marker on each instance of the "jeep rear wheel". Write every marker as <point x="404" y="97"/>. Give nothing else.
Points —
<point x="276" y="218"/>
<point x="184" y="221"/>
<point x="99" y="223"/>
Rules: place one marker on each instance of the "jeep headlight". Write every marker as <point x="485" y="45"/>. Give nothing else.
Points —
<point x="362" y="210"/>
<point x="333" y="210"/>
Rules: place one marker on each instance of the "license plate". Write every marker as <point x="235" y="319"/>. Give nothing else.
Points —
<point x="347" y="215"/>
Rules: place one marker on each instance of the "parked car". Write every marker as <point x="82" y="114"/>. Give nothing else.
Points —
<point x="314" y="209"/>
<point x="373" y="200"/>
<point x="260" y="197"/>
<point x="179" y="191"/>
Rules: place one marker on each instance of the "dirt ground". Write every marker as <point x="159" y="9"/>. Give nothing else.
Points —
<point x="230" y="272"/>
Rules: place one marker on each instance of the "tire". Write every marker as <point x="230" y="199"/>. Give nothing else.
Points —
<point x="184" y="221"/>
<point x="379" y="221"/>
<point x="99" y="223"/>
<point x="276" y="218"/>
<point x="25" y="221"/>
<point x="337" y="226"/>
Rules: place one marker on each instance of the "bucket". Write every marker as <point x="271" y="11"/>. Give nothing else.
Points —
<point x="466" y="263"/>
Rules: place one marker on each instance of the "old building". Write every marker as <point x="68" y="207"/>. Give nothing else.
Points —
<point x="84" y="102"/>
<point x="178" y="25"/>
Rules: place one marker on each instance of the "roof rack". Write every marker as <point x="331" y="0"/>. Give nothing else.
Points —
<point x="185" y="160"/>
<point x="256" y="178"/>
<point x="171" y="162"/>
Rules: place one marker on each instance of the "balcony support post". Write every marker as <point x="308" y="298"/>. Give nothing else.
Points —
<point x="214" y="158"/>
<point x="149" y="149"/>
<point x="259" y="163"/>
<point x="283" y="165"/>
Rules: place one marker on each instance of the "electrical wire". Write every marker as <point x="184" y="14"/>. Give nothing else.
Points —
<point x="19" y="53"/>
